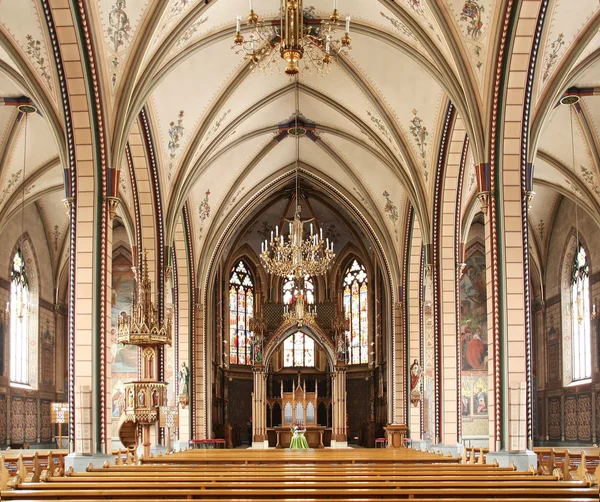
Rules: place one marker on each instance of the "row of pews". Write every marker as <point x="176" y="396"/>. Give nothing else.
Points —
<point x="291" y="475"/>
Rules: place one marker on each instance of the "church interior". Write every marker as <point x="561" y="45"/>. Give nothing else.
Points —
<point x="368" y="219"/>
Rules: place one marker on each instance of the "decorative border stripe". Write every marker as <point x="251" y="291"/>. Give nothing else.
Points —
<point x="194" y="302"/>
<point x="436" y="269"/>
<point x="70" y="191"/>
<point x="458" y="259"/>
<point x="404" y="299"/>
<point x="493" y="210"/>
<point x="136" y="206"/>
<point x="525" y="216"/>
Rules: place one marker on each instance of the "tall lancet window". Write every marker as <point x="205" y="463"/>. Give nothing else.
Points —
<point x="580" y="316"/>
<point x="291" y="290"/>
<point x="19" y="309"/>
<point x="241" y="310"/>
<point x="356" y="295"/>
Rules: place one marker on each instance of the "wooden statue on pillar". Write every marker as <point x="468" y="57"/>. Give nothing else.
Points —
<point x="145" y="329"/>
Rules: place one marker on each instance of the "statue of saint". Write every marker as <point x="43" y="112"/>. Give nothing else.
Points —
<point x="184" y="378"/>
<point x="415" y="377"/>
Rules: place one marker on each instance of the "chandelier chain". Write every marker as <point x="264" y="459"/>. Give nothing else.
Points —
<point x="574" y="171"/>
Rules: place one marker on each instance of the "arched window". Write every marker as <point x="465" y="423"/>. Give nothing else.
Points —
<point x="298" y="350"/>
<point x="580" y="316"/>
<point x="241" y="310"/>
<point x="356" y="309"/>
<point x="290" y="290"/>
<point x="19" y="315"/>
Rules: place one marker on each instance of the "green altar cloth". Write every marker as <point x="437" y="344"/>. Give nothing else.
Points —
<point x="299" y="441"/>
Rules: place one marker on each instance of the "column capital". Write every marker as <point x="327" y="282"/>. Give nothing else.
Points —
<point x="113" y="204"/>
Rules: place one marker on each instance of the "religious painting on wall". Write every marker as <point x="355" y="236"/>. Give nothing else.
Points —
<point x="123" y="358"/>
<point x="473" y="314"/>
<point x="480" y="397"/>
<point x="473" y="345"/>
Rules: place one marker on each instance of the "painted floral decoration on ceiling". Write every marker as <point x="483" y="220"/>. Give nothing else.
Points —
<point x="203" y="212"/>
<point x="175" y="133"/>
<point x="400" y="26"/>
<point x="416" y="6"/>
<point x="420" y="133"/>
<point x="204" y="208"/>
<point x="390" y="208"/>
<point x="56" y="235"/>
<point x="541" y="229"/>
<point x="14" y="178"/>
<point x="471" y="13"/>
<point x="35" y="52"/>
<point x="191" y="31"/>
<point x="552" y="56"/>
<point x="588" y="177"/>
<point x="119" y="26"/>
<point x="380" y="126"/>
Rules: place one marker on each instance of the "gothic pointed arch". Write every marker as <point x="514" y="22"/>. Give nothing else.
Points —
<point x="576" y="307"/>
<point x="24" y="314"/>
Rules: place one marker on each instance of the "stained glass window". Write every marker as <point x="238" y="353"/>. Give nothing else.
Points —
<point x="291" y="290"/>
<point x="356" y="309"/>
<point x="241" y="310"/>
<point x="298" y="350"/>
<point x="580" y="316"/>
<point x="19" y="308"/>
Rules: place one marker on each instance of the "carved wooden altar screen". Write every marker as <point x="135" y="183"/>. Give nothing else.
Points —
<point x="299" y="406"/>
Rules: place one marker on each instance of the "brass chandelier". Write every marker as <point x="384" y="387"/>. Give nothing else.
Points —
<point x="296" y="255"/>
<point x="299" y="36"/>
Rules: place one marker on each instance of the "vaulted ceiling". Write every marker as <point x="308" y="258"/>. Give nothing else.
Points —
<point x="378" y="115"/>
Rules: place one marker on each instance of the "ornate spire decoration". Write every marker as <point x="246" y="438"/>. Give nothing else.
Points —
<point x="142" y="399"/>
<point x="143" y="326"/>
<point x="298" y="36"/>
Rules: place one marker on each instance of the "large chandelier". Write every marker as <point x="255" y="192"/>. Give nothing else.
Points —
<point x="298" y="35"/>
<point x="296" y="255"/>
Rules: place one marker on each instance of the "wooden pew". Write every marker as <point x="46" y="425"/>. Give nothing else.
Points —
<point x="267" y="477"/>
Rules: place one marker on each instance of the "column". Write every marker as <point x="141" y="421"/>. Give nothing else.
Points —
<point x="507" y="245"/>
<point x="259" y="417"/>
<point x="338" y="433"/>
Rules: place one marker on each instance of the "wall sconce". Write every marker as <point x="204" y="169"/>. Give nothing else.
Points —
<point x="594" y="313"/>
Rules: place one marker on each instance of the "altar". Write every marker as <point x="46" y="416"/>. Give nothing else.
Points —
<point x="314" y="435"/>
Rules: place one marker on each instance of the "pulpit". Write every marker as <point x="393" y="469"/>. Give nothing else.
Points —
<point x="395" y="435"/>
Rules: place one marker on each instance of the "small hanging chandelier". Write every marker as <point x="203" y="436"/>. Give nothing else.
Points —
<point x="296" y="255"/>
<point x="297" y="36"/>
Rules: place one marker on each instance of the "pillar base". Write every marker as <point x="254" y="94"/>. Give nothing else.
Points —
<point x="260" y="445"/>
<point x="339" y="444"/>
<point x="79" y="463"/>
<point x="522" y="460"/>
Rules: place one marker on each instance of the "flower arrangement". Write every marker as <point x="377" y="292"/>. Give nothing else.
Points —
<point x="298" y="427"/>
